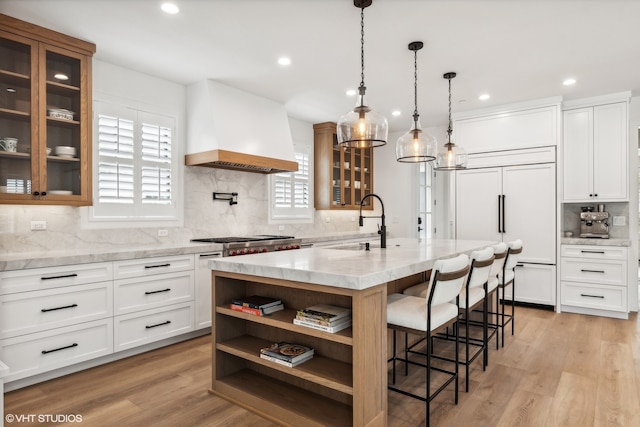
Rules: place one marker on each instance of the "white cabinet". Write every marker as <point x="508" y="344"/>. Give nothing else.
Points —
<point x="594" y="280"/>
<point x="55" y="317"/>
<point x="506" y="203"/>
<point x="203" y="289"/>
<point x="596" y="154"/>
<point x="153" y="299"/>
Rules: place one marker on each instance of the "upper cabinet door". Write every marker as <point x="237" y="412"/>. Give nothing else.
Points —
<point x="596" y="154"/>
<point x="611" y="153"/>
<point x="45" y="105"/>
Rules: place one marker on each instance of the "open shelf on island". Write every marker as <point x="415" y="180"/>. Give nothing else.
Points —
<point x="279" y="401"/>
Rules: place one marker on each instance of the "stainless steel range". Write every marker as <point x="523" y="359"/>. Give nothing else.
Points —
<point x="233" y="246"/>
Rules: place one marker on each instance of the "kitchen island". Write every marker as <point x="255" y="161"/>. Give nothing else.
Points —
<point x="345" y="383"/>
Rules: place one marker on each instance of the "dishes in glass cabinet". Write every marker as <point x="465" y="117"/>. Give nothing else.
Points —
<point x="64" y="151"/>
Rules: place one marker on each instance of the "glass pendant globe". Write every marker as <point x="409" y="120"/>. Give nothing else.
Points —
<point x="362" y="127"/>
<point x="416" y="146"/>
<point x="451" y="157"/>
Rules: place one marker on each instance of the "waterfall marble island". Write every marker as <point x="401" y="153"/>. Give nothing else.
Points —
<point x="345" y="383"/>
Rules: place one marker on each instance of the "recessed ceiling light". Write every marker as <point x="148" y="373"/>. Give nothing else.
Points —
<point x="569" y="82"/>
<point x="170" y="8"/>
<point x="351" y="92"/>
<point x="396" y="113"/>
<point x="61" y="76"/>
<point x="484" y="97"/>
<point x="284" y="61"/>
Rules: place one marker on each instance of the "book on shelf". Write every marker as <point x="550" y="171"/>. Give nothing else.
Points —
<point x="287" y="352"/>
<point x="284" y="362"/>
<point x="333" y="328"/>
<point x="256" y="301"/>
<point x="326" y="312"/>
<point x="256" y="311"/>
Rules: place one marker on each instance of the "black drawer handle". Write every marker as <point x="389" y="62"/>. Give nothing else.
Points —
<point x="44" y="310"/>
<point x="157" y="266"/>
<point x="61" y="348"/>
<point x="592" y="271"/>
<point x="60" y="277"/>
<point x="157" y="292"/>
<point x="159" y="324"/>
<point x="592" y="296"/>
<point x="592" y="252"/>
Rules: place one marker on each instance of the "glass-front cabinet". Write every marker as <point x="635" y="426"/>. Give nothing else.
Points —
<point x="45" y="116"/>
<point x="343" y="176"/>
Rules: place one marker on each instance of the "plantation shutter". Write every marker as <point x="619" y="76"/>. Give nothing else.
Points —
<point x="290" y="191"/>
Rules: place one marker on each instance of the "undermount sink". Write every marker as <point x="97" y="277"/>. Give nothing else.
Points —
<point x="356" y="246"/>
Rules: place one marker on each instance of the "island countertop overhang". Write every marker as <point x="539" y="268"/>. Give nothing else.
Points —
<point x="350" y="269"/>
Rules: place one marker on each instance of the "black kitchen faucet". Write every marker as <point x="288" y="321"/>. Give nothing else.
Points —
<point x="382" y="230"/>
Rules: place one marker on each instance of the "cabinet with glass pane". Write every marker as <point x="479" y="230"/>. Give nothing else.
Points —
<point x="343" y="176"/>
<point x="45" y="116"/>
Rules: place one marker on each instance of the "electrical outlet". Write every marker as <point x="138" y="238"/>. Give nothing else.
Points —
<point x="281" y="228"/>
<point x="38" y="225"/>
<point x="619" y="220"/>
<point x="163" y="232"/>
<point x="327" y="219"/>
<point x="353" y="218"/>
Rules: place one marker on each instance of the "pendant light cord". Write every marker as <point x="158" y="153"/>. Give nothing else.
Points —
<point x="449" y="130"/>
<point x="415" y="85"/>
<point x="362" y="47"/>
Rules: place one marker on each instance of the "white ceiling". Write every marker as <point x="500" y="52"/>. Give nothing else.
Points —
<point x="516" y="50"/>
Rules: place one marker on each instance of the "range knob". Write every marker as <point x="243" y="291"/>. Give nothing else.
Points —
<point x="264" y="250"/>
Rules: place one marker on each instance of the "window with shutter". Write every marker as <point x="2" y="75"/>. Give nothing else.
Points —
<point x="135" y="164"/>
<point x="290" y="195"/>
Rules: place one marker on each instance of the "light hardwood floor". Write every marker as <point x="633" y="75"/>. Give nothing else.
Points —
<point x="558" y="370"/>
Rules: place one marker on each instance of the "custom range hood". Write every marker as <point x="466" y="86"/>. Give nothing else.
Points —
<point x="231" y="129"/>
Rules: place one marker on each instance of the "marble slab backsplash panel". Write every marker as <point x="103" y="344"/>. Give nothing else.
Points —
<point x="203" y="217"/>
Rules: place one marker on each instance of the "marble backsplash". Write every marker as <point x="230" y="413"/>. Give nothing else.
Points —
<point x="203" y="217"/>
<point x="571" y="218"/>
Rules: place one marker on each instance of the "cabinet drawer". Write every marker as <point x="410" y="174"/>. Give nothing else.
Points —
<point x="150" y="266"/>
<point x="597" y="252"/>
<point x="36" y="311"/>
<point x="53" y="277"/>
<point x="131" y="330"/>
<point x="151" y="292"/>
<point x="33" y="354"/>
<point x="606" y="272"/>
<point x="587" y="295"/>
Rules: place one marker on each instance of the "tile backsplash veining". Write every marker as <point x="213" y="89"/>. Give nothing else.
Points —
<point x="203" y="217"/>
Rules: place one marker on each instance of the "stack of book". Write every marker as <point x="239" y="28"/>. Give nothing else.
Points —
<point x="328" y="318"/>
<point x="287" y="354"/>
<point x="257" y="305"/>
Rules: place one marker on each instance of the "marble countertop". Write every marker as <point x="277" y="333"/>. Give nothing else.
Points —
<point x="37" y="259"/>
<point x="349" y="267"/>
<point x="20" y="260"/>
<point x="594" y="242"/>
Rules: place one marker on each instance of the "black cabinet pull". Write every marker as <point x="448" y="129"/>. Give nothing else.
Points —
<point x="504" y="214"/>
<point x="159" y="324"/>
<point x="499" y="213"/>
<point x="592" y="252"/>
<point x="61" y="348"/>
<point x="156" y="266"/>
<point x="592" y="296"/>
<point x="44" y="310"/>
<point x="59" y="277"/>
<point x="157" y="292"/>
<point x="592" y="271"/>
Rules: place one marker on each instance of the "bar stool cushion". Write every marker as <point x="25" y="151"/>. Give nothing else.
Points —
<point x="411" y="312"/>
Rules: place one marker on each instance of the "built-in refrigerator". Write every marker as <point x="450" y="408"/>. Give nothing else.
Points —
<point x="509" y="195"/>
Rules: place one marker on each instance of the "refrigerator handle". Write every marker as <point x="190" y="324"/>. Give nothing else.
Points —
<point x="504" y="214"/>
<point x="499" y="213"/>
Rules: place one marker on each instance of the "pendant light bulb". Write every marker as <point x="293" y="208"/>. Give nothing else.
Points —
<point x="362" y="127"/>
<point x="451" y="156"/>
<point x="416" y="146"/>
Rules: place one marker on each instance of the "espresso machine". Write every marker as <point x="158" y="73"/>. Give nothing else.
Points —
<point x="594" y="224"/>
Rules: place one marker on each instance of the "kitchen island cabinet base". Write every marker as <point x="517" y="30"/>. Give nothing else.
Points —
<point x="343" y="384"/>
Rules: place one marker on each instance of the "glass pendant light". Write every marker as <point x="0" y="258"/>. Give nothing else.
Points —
<point x="362" y="127"/>
<point x="450" y="156"/>
<point x="416" y="146"/>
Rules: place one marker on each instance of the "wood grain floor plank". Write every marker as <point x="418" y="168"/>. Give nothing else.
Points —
<point x="558" y="370"/>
